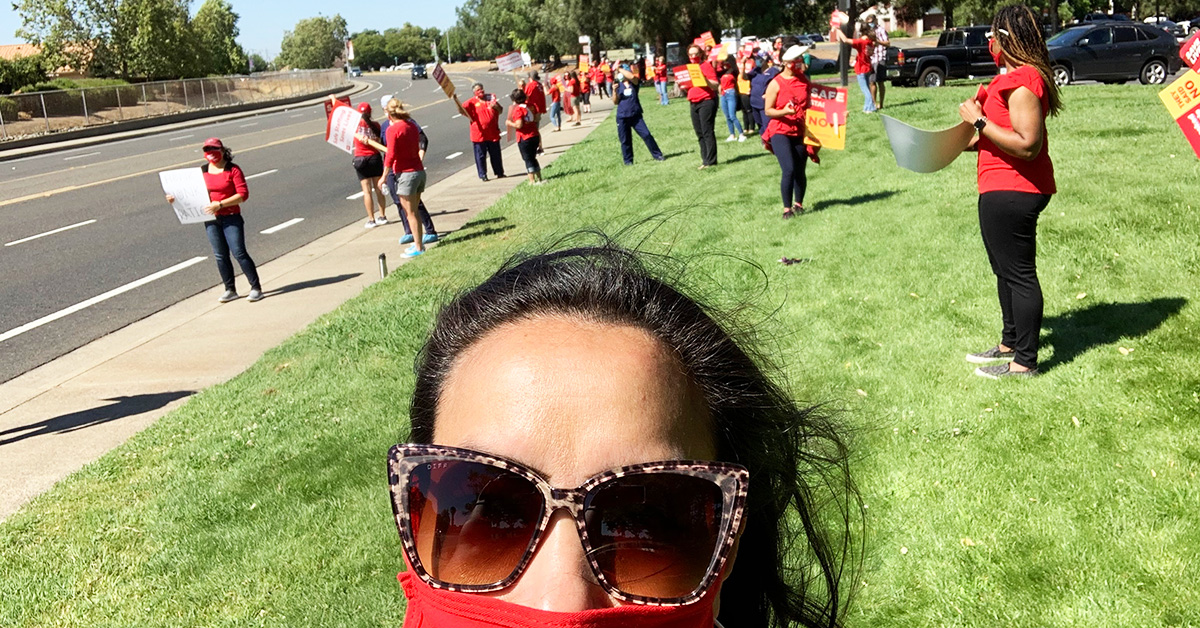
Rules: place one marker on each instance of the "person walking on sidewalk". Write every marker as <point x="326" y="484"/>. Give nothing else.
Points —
<point x="521" y="123"/>
<point x="483" y="111"/>
<point x="571" y="93"/>
<point x="404" y="158"/>
<point x="555" y="104"/>
<point x="704" y="107"/>
<point x="729" y="103"/>
<point x="787" y="101"/>
<point x="227" y="190"/>
<point x="368" y="165"/>
<point x="431" y="234"/>
<point x="629" y="115"/>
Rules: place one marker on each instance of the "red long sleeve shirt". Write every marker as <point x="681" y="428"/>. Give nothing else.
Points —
<point x="225" y="184"/>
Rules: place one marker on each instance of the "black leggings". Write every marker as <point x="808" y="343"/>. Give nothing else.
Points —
<point x="704" y="117"/>
<point x="749" y="122"/>
<point x="793" y="157"/>
<point x="1008" y="223"/>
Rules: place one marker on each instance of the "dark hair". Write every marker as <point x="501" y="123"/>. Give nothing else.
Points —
<point x="226" y="156"/>
<point x="1020" y="37"/>
<point x="517" y="96"/>
<point x="796" y="456"/>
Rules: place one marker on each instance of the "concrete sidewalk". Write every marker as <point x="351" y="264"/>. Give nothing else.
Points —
<point x="58" y="417"/>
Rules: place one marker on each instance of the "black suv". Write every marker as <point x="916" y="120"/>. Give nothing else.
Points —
<point x="960" y="53"/>
<point x="1114" y="52"/>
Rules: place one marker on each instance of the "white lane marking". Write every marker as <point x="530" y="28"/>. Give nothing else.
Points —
<point x="246" y="125"/>
<point x="51" y="232"/>
<point x="437" y="89"/>
<point x="424" y="126"/>
<point x="80" y="156"/>
<point x="457" y="115"/>
<point x="281" y="226"/>
<point x="181" y="137"/>
<point x="99" y="298"/>
<point x="262" y="174"/>
<point x="453" y="155"/>
<point x="296" y="115"/>
<point x="503" y="133"/>
<point x="353" y="197"/>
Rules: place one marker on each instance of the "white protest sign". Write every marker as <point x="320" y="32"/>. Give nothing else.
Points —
<point x="509" y="62"/>
<point x="190" y="192"/>
<point x="343" y="123"/>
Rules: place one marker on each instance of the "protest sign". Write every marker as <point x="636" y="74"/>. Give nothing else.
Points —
<point x="439" y="75"/>
<point x="696" y="75"/>
<point x="330" y="104"/>
<point x="707" y="38"/>
<point x="1182" y="99"/>
<point x="826" y="117"/>
<point x="509" y="62"/>
<point x="1190" y="51"/>
<point x="683" y="78"/>
<point x="342" y="126"/>
<point x="190" y="192"/>
<point x="583" y="65"/>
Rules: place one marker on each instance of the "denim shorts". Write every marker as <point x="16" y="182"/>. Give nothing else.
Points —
<point x="410" y="183"/>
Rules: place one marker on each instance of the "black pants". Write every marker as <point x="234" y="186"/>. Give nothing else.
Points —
<point x="704" y="116"/>
<point x="748" y="121"/>
<point x="760" y="119"/>
<point x="422" y="213"/>
<point x="483" y="150"/>
<point x="793" y="157"/>
<point x="1008" y="223"/>
<point x="528" y="149"/>
<point x="636" y="125"/>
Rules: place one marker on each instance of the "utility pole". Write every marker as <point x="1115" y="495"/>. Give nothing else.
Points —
<point x="843" y="48"/>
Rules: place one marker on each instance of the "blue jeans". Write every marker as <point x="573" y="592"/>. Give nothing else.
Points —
<point x="483" y="150"/>
<point x="637" y="125"/>
<point x="423" y="213"/>
<point x="661" y="88"/>
<point x="864" y="83"/>
<point x="556" y="113"/>
<point x="227" y="235"/>
<point x="729" y="105"/>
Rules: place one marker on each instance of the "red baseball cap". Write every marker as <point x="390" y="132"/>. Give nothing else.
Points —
<point x="213" y="142"/>
<point x="364" y="107"/>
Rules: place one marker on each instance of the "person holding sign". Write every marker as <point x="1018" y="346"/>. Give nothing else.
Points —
<point x="227" y="190"/>
<point x="556" y="106"/>
<point x="483" y="112"/>
<point x="629" y="115"/>
<point x="702" y="94"/>
<point x="1016" y="181"/>
<point x="864" y="47"/>
<point x="404" y="158"/>
<point x="787" y="100"/>
<point x="522" y="123"/>
<point x="368" y="165"/>
<point x="660" y="80"/>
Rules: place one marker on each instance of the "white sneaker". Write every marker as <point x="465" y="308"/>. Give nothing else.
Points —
<point x="370" y="224"/>
<point x="741" y="138"/>
<point x="382" y="220"/>
<point x="730" y="138"/>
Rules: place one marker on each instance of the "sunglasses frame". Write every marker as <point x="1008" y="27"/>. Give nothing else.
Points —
<point x="732" y="479"/>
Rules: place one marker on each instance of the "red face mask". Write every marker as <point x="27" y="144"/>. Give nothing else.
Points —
<point x="212" y="157"/>
<point x="436" y="608"/>
<point x="997" y="54"/>
<point x="694" y="58"/>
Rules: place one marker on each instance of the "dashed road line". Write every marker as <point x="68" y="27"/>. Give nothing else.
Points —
<point x="51" y="232"/>
<point x="354" y="197"/>
<point x="262" y="174"/>
<point x="453" y="155"/>
<point x="80" y="156"/>
<point x="281" y="226"/>
<point x="181" y="137"/>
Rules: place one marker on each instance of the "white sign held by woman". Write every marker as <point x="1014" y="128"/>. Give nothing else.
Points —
<point x="190" y="192"/>
<point x="343" y="123"/>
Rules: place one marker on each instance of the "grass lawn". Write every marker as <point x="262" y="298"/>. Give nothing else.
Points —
<point x="1067" y="500"/>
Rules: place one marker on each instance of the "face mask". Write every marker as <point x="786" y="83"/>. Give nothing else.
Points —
<point x="479" y="94"/>
<point x="797" y="67"/>
<point x="436" y="608"/>
<point x="694" y="58"/>
<point x="212" y="158"/>
<point x="997" y="55"/>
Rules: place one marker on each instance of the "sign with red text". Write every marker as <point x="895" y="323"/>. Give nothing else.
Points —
<point x="342" y="126"/>
<point x="707" y="38"/>
<point x="439" y="75"/>
<point x="1182" y="99"/>
<point x="583" y="64"/>
<point x="1190" y="51"/>
<point x="825" y="119"/>
<point x="1189" y="123"/>
<point x="510" y="62"/>
<point x="330" y="105"/>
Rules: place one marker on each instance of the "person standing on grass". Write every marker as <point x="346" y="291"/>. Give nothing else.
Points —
<point x="704" y="107"/>
<point x="1016" y="181"/>
<point x="864" y="46"/>
<point x="483" y="111"/>
<point x="743" y="90"/>
<point x="368" y="165"/>
<point x="227" y="190"/>
<point x="629" y="115"/>
<point x="760" y="78"/>
<point x="787" y="101"/>
<point x="404" y="159"/>
<point x="878" y="59"/>
<point x="660" y="81"/>
<point x="521" y="123"/>
<point x="431" y="234"/>
<point x="729" y="102"/>
<point x="556" y="106"/>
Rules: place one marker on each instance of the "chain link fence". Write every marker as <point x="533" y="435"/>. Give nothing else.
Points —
<point x="39" y="113"/>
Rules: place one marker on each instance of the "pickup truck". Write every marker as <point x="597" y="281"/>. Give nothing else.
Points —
<point x="960" y="53"/>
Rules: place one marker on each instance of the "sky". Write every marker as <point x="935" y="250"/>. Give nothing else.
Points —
<point x="262" y="22"/>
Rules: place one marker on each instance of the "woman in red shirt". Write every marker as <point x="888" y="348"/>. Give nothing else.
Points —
<point x="523" y="124"/>
<point x="1016" y="180"/>
<point x="787" y="99"/>
<point x="704" y="107"/>
<point x="556" y="105"/>
<point x="227" y="191"/>
<point x="660" y="81"/>
<point x="571" y="92"/>
<point x="404" y="158"/>
<point x="863" y="46"/>
<point x="729" y="103"/>
<point x="368" y="165"/>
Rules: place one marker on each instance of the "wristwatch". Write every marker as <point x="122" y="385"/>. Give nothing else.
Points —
<point x="980" y="123"/>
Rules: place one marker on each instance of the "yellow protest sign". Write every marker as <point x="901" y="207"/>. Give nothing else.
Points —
<point x="696" y="75"/>
<point x="1183" y="95"/>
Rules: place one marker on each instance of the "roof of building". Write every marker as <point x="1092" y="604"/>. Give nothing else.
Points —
<point x="14" y="51"/>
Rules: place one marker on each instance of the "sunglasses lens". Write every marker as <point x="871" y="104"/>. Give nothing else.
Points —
<point x="472" y="522"/>
<point x="654" y="534"/>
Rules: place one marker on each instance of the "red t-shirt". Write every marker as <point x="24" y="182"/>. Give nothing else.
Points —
<point x="796" y="91"/>
<point x="523" y="115"/>
<point x="485" y="120"/>
<point x="362" y="149"/>
<point x="727" y="82"/>
<point x="572" y="88"/>
<point x="699" y="94"/>
<point x="660" y="73"/>
<point x="555" y="92"/>
<point x="997" y="169"/>
<point x="535" y="97"/>
<point x="862" y="61"/>
<point x="225" y="184"/>
<point x="403" y="147"/>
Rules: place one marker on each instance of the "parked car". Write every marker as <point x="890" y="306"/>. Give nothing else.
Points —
<point x="821" y="66"/>
<point x="816" y="37"/>
<point x="960" y="53"/>
<point x="1114" y="52"/>
<point x="1178" y="31"/>
<point x="406" y="66"/>
<point x="418" y="72"/>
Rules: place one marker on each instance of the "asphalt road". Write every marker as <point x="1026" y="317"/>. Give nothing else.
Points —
<point x="77" y="226"/>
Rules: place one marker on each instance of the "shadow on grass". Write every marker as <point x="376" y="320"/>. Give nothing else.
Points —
<point x="1079" y="331"/>
<point x="455" y="238"/>
<point x="744" y="157"/>
<point x="122" y="408"/>
<point x="559" y="174"/>
<point x="311" y="283"/>
<point x="481" y="221"/>
<point x="905" y="104"/>
<point x="853" y="200"/>
<point x="449" y="211"/>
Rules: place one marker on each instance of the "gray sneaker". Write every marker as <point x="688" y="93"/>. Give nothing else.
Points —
<point x="255" y="295"/>
<point x="230" y="295"/>
<point x="991" y="355"/>
<point x="996" y="371"/>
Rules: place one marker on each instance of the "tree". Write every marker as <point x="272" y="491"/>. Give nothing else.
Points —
<point x="20" y="72"/>
<point x="315" y="42"/>
<point x="83" y="34"/>
<point x="370" y="49"/>
<point x="163" y="45"/>
<point x="216" y="31"/>
<point x="257" y="63"/>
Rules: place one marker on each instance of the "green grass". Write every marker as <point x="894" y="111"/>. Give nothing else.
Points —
<point x="1069" y="500"/>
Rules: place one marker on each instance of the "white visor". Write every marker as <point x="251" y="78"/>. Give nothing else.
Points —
<point x="385" y="100"/>
<point x="795" y="52"/>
